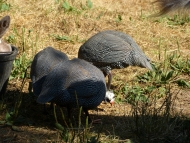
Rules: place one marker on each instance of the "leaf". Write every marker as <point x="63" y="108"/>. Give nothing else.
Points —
<point x="7" y="116"/>
<point x="163" y="78"/>
<point x="59" y="126"/>
<point x="9" y="119"/>
<point x="9" y="123"/>
<point x="93" y="139"/>
<point x="169" y="75"/>
<point x="66" y="6"/>
<point x="5" y="7"/>
<point x="119" y="17"/>
<point x="57" y="1"/>
<point x="89" y="4"/>
<point x="2" y="122"/>
<point x="65" y="38"/>
<point x="182" y="82"/>
<point x="15" y="128"/>
<point x="188" y="63"/>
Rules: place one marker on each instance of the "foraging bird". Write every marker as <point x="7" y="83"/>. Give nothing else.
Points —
<point x="74" y="83"/>
<point x="172" y="5"/>
<point x="4" y="25"/>
<point x="42" y="64"/>
<point x="113" y="50"/>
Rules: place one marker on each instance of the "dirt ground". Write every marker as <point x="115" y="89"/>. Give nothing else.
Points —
<point x="46" y="19"/>
<point x="36" y="126"/>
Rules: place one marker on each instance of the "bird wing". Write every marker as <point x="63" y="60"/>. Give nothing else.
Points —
<point x="105" y="48"/>
<point x="54" y="84"/>
<point x="44" y="61"/>
<point x="127" y="38"/>
<point x="71" y="78"/>
<point x="84" y="79"/>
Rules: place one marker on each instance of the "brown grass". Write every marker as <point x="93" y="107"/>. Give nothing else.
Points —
<point x="46" y="18"/>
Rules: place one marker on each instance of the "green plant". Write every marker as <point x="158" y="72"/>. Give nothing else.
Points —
<point x="72" y="134"/>
<point x="26" y="40"/>
<point x="4" y="6"/>
<point x="67" y="7"/>
<point x="152" y="97"/>
<point x="156" y="121"/>
<point x="178" y="20"/>
<point x="119" y="18"/>
<point x="89" y="4"/>
<point x="174" y="66"/>
<point x="20" y="66"/>
<point x="23" y="61"/>
<point x="11" y="38"/>
<point x="12" y="113"/>
<point x="72" y="7"/>
<point x="135" y="93"/>
<point x="63" y="38"/>
<point x="70" y="39"/>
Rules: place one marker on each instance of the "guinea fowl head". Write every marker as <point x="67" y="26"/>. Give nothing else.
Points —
<point x="110" y="97"/>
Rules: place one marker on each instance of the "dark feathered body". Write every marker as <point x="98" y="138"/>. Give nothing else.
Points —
<point x="113" y="50"/>
<point x="43" y="62"/>
<point x="74" y="82"/>
<point x="172" y="5"/>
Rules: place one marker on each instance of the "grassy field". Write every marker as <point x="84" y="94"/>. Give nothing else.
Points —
<point x="151" y="107"/>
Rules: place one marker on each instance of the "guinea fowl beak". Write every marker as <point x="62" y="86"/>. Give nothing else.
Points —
<point x="112" y="102"/>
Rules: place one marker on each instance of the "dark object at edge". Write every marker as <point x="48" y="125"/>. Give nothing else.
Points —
<point x="6" y="64"/>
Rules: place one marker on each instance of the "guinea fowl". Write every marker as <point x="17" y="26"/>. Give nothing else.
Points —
<point x="113" y="50"/>
<point x="172" y="5"/>
<point x="74" y="83"/>
<point x="42" y="64"/>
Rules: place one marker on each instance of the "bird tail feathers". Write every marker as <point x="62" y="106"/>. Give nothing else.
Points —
<point x="172" y="5"/>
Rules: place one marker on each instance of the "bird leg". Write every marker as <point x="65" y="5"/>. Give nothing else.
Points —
<point x="54" y="112"/>
<point x="45" y="108"/>
<point x="97" y="121"/>
<point x="51" y="105"/>
<point x="45" y="112"/>
<point x="69" y="112"/>
<point x="87" y="115"/>
<point x="109" y="80"/>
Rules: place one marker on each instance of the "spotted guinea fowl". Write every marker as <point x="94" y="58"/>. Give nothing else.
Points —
<point x="113" y="50"/>
<point x="74" y="83"/>
<point x="167" y="6"/>
<point x="43" y="62"/>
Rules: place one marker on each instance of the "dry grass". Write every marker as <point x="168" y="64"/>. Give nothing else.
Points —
<point x="47" y="18"/>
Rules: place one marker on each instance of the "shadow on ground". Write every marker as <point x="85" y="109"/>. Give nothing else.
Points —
<point x="35" y="125"/>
